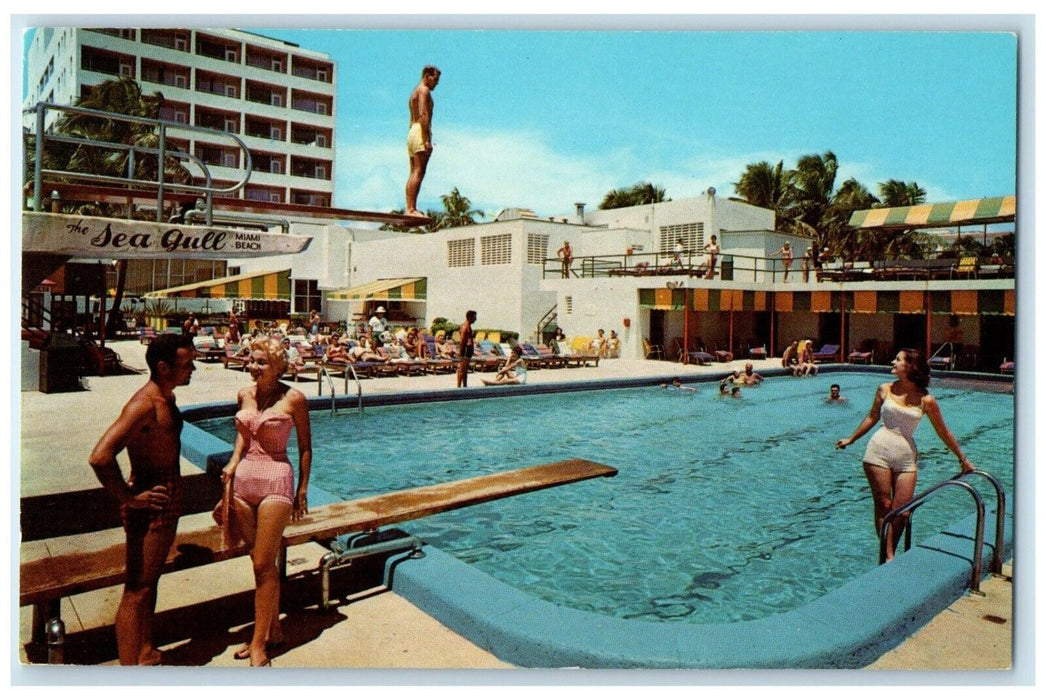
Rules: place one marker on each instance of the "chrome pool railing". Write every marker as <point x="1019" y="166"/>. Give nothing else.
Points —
<point x="978" y="545"/>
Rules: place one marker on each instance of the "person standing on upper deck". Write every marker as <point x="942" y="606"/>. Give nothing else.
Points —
<point x="419" y="138"/>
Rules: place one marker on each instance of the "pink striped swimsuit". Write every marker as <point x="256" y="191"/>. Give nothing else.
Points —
<point x="264" y="473"/>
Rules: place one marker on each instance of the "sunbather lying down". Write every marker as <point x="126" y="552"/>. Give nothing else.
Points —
<point x="514" y="371"/>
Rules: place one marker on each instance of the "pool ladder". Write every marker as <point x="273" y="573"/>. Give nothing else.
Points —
<point x="324" y="374"/>
<point x="978" y="544"/>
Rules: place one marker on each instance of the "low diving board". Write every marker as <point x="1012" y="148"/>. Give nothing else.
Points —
<point x="373" y="512"/>
<point x="62" y="566"/>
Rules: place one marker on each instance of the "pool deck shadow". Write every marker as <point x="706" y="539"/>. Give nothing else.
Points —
<point x="381" y="629"/>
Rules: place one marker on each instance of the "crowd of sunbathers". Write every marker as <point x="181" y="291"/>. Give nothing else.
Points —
<point x="403" y="350"/>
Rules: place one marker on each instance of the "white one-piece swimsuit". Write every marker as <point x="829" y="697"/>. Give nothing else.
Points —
<point x="892" y="446"/>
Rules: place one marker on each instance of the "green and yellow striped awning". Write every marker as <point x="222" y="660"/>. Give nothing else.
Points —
<point x="398" y="289"/>
<point x="956" y="301"/>
<point x="990" y="210"/>
<point x="254" y="285"/>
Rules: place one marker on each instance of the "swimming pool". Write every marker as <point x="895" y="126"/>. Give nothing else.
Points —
<point x="724" y="510"/>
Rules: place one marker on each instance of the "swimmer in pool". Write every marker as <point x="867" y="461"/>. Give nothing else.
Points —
<point x="891" y="459"/>
<point x="677" y="385"/>
<point x="834" y="396"/>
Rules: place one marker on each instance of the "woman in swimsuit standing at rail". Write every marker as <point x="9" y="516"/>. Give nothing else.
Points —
<point x="264" y="499"/>
<point x="891" y="458"/>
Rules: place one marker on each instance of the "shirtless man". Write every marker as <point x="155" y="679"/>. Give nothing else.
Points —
<point x="419" y="138"/>
<point x="750" y="376"/>
<point x="467" y="348"/>
<point x="149" y="428"/>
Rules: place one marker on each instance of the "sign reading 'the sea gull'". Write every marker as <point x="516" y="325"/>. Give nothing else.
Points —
<point x="93" y="236"/>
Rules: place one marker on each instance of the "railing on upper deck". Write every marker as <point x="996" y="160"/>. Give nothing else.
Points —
<point x="747" y="268"/>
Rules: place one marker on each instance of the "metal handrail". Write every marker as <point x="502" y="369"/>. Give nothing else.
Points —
<point x="918" y="500"/>
<point x="355" y="377"/>
<point x="162" y="154"/>
<point x="1000" y="517"/>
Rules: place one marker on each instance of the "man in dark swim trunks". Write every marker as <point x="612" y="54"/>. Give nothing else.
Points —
<point x="149" y="428"/>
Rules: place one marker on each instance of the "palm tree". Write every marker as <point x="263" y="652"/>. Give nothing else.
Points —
<point x="813" y="181"/>
<point x="836" y="235"/>
<point x="766" y="186"/>
<point x="119" y="96"/>
<point x="458" y="211"/>
<point x="895" y="193"/>
<point x="907" y="243"/>
<point x="639" y="194"/>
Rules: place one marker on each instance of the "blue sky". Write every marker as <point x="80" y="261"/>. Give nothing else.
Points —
<point x="543" y="119"/>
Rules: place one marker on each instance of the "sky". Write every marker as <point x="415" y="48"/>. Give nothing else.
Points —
<point x="545" y="118"/>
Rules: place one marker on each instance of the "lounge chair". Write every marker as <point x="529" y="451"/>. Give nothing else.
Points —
<point x="207" y="348"/>
<point x="484" y="359"/>
<point x="146" y="335"/>
<point x="827" y="353"/>
<point x="1006" y="367"/>
<point x="943" y="357"/>
<point x="232" y="359"/>
<point x="435" y="364"/>
<point x="758" y="353"/>
<point x="863" y="353"/>
<point x="651" y="350"/>
<point x="581" y="349"/>
<point x="551" y="358"/>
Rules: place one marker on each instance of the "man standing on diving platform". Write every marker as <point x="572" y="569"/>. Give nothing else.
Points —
<point x="419" y="138"/>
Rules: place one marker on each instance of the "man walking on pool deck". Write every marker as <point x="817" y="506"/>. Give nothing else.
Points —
<point x="467" y="347"/>
<point x="150" y="428"/>
<point x="419" y="138"/>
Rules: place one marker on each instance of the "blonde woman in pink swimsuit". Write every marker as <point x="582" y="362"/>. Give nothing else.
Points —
<point x="891" y="458"/>
<point x="264" y="498"/>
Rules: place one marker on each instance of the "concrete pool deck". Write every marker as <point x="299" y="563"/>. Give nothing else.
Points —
<point x="382" y="630"/>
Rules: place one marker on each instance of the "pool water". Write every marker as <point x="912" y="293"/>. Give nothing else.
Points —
<point x="723" y="510"/>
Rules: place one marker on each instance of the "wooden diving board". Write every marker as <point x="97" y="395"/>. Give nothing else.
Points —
<point x="62" y="566"/>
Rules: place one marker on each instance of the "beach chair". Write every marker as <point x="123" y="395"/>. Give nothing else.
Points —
<point x="484" y="359"/>
<point x="863" y="353"/>
<point x="232" y="359"/>
<point x="207" y="348"/>
<point x="758" y="353"/>
<point x="1006" y="367"/>
<point x="581" y="346"/>
<point x="551" y="359"/>
<point x="967" y="267"/>
<point x="651" y="350"/>
<point x="943" y="357"/>
<point x="697" y="353"/>
<point x="827" y="353"/>
<point x="437" y="365"/>
<point x="146" y="335"/>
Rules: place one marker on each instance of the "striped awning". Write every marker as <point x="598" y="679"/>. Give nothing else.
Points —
<point x="990" y="210"/>
<point x="398" y="289"/>
<point x="955" y="301"/>
<point x="255" y="285"/>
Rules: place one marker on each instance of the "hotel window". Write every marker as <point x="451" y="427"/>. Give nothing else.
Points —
<point x="306" y="295"/>
<point x="461" y="253"/>
<point x="568" y="304"/>
<point x="537" y="248"/>
<point x="693" y="236"/>
<point x="495" y="250"/>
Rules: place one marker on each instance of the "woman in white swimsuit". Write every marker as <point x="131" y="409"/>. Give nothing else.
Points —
<point x="891" y="458"/>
